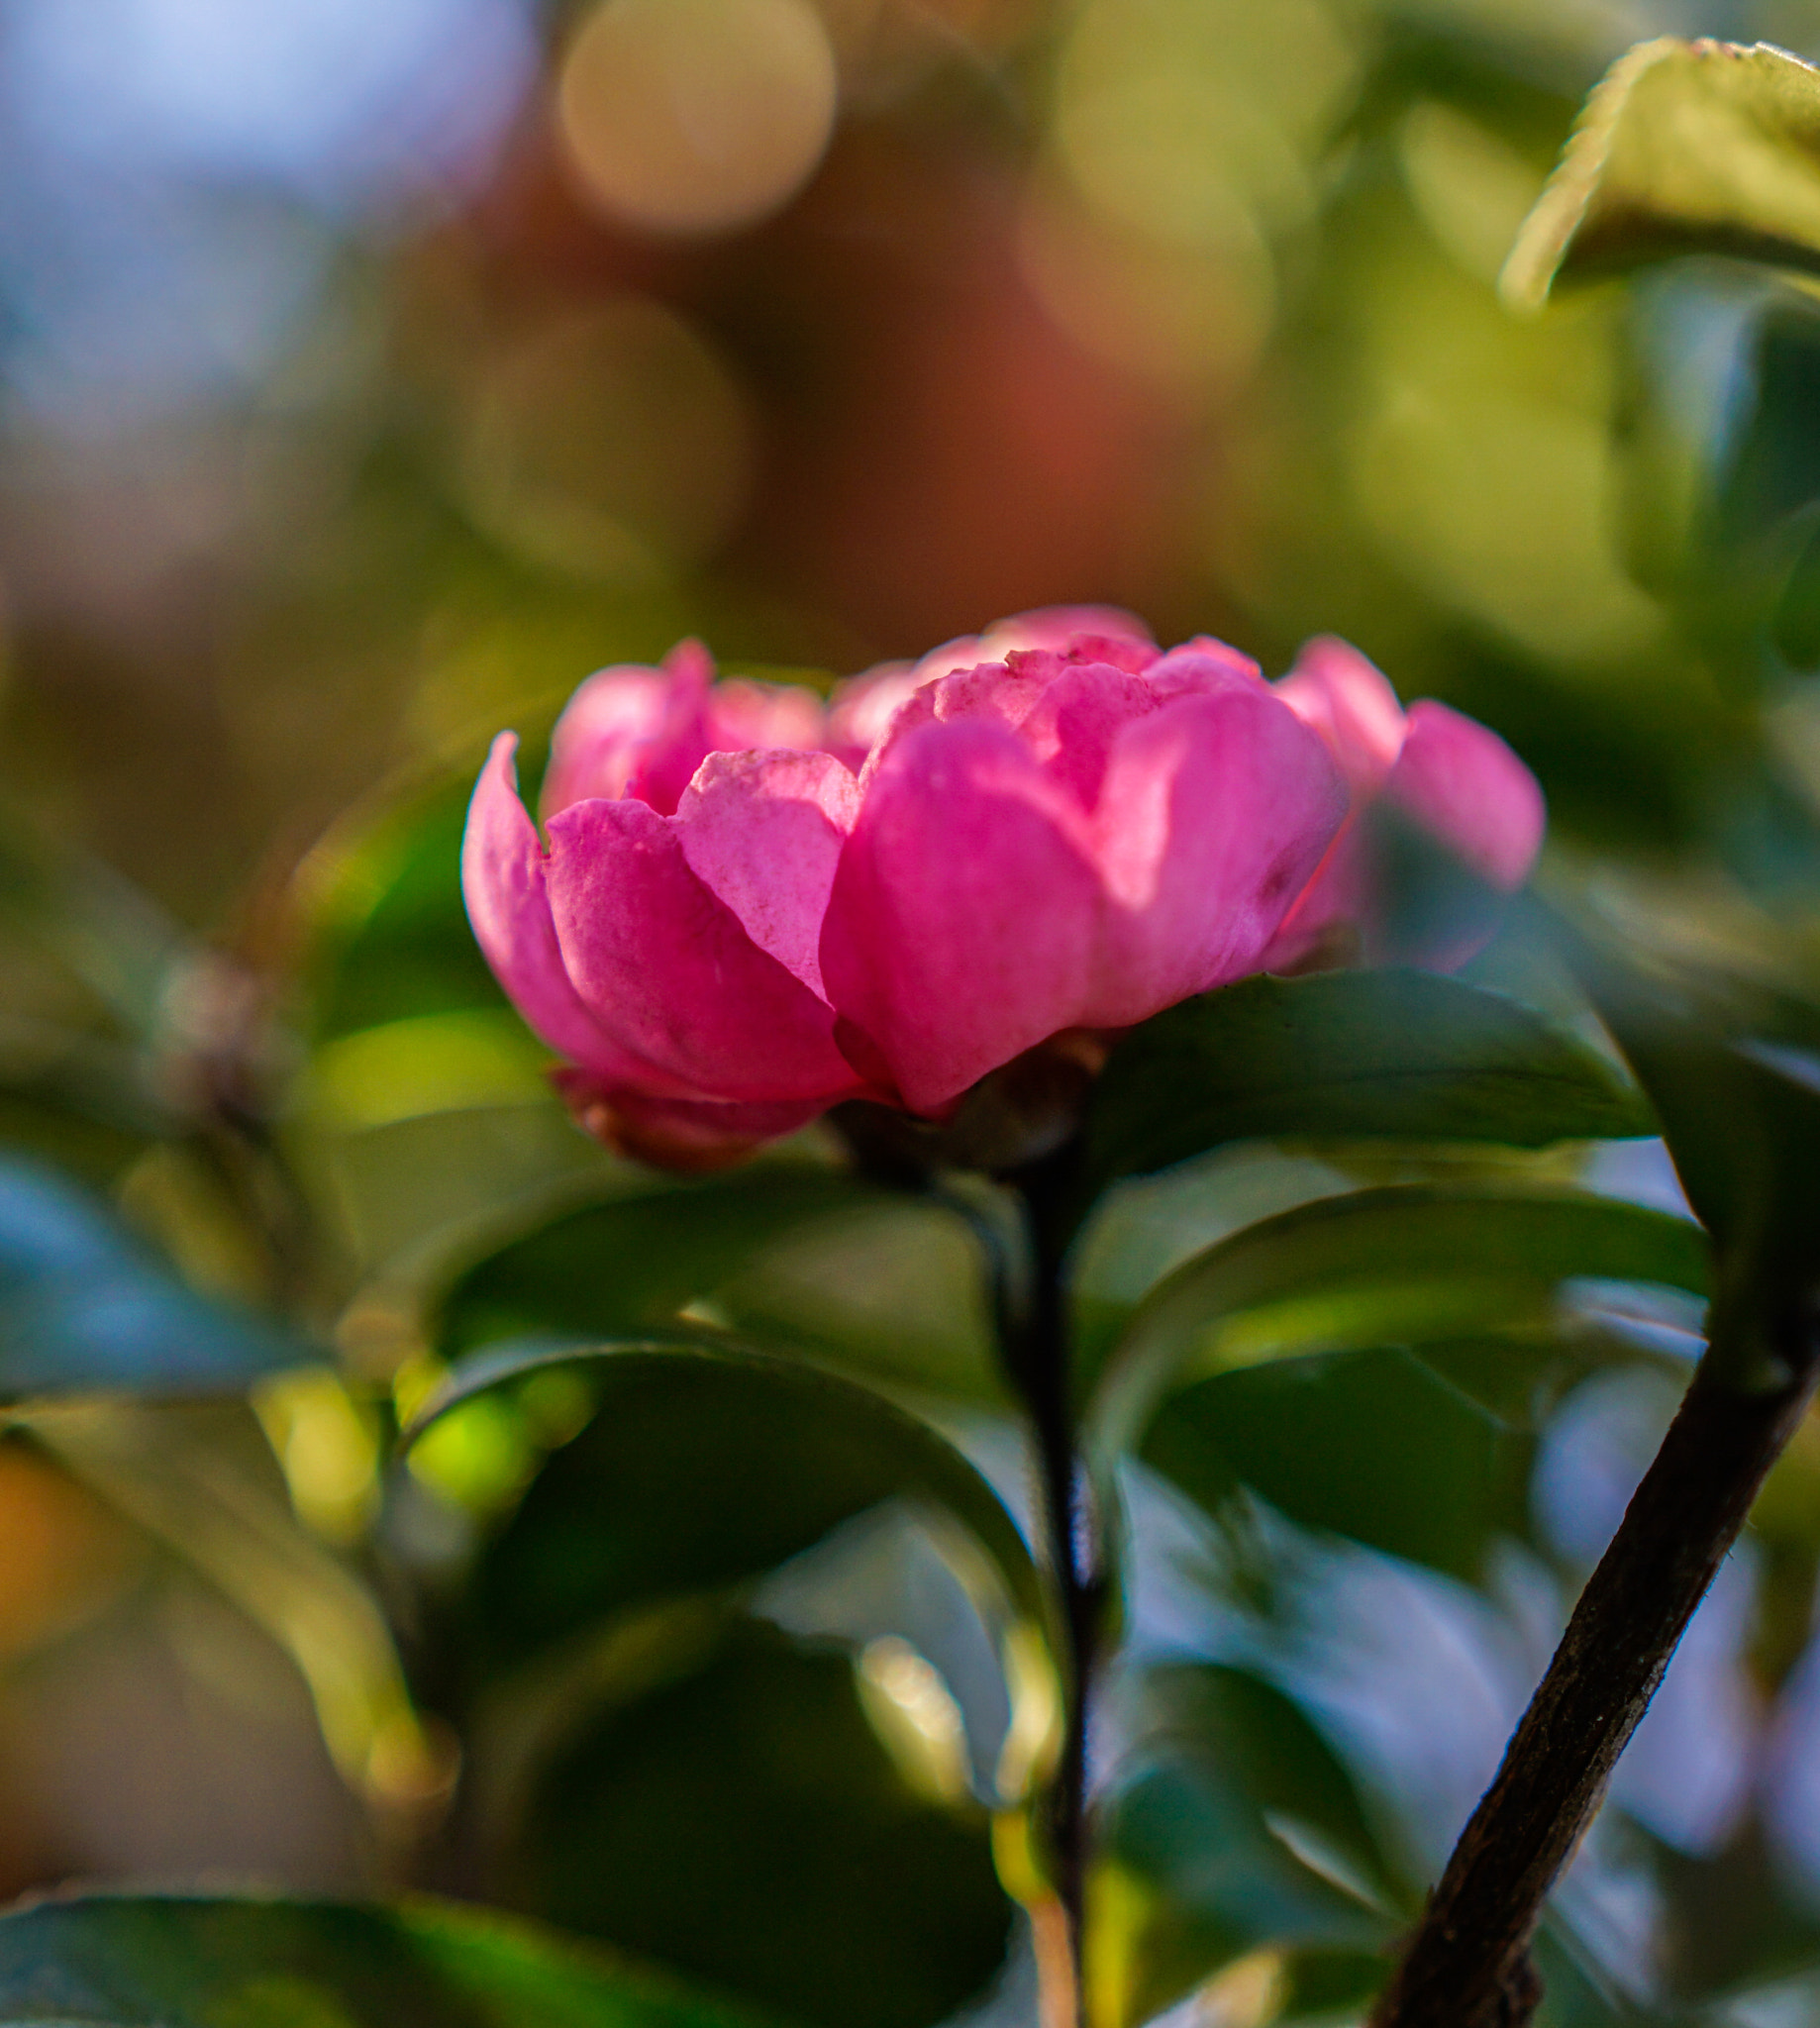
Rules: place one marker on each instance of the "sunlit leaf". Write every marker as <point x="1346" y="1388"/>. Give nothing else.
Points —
<point x="1350" y="1054"/>
<point x="85" y="1308"/>
<point x="1684" y="148"/>
<point x="1395" y="1265"/>
<point x="735" y="1817"/>
<point x="1226" y="1827"/>
<point x="703" y="1466"/>
<point x="121" y="1961"/>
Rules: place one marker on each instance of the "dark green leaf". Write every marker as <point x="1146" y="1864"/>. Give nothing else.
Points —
<point x="1230" y="1827"/>
<point x="1795" y="626"/>
<point x="1349" y="1055"/>
<point x="620" y="1266"/>
<point x="703" y="1467"/>
<point x="131" y="1962"/>
<point x="1404" y="1265"/>
<point x="1372" y="1444"/>
<point x="1684" y="148"/>
<point x="1733" y="1067"/>
<point x="742" y="1822"/>
<point x="84" y="1308"/>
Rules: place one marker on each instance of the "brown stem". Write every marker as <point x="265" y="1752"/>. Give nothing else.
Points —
<point x="1467" y="1966"/>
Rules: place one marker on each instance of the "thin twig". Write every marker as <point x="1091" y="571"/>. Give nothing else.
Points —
<point x="1468" y="1965"/>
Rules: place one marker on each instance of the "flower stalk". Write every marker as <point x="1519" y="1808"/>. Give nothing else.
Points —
<point x="1034" y="1343"/>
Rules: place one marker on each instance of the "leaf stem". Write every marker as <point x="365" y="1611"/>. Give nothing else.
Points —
<point x="1468" y="1965"/>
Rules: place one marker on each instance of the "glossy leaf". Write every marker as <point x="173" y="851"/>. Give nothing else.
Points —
<point x="740" y="1821"/>
<point x="122" y="1962"/>
<point x="1226" y="1827"/>
<point x="85" y="1308"/>
<point x="637" y="1261"/>
<point x="1395" y="1265"/>
<point x="1356" y="1055"/>
<point x="786" y="1253"/>
<point x="1372" y="1444"/>
<point x="1684" y="148"/>
<point x="704" y="1465"/>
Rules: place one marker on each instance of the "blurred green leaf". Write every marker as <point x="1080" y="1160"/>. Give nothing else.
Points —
<point x="1795" y="625"/>
<point x="1402" y="1265"/>
<point x="121" y="1961"/>
<point x="1684" y="148"/>
<point x="382" y="894"/>
<point x="891" y="1287"/>
<point x="85" y="1308"/>
<point x="1372" y="1444"/>
<point x="202" y="1480"/>
<point x="1349" y="1055"/>
<point x="1227" y="1826"/>
<point x="111" y="935"/>
<point x="741" y="1821"/>
<point x="1733" y="1067"/>
<point x="783" y="1251"/>
<point x="702" y="1466"/>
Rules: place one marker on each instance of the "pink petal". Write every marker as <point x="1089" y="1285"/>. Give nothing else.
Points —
<point x="633" y="731"/>
<point x="1351" y="705"/>
<point x="746" y="715"/>
<point x="1215" y="813"/>
<point x="763" y="831"/>
<point x="1202" y="666"/>
<point x="654" y="953"/>
<point x="592" y="749"/>
<point x="503" y="883"/>
<point x="1073" y="724"/>
<point x="1123" y="639"/>
<point x="961" y="924"/>
<point x="1326" y="925"/>
<point x="692" y="1136"/>
<point x="1459" y="780"/>
<point x="1063" y="627"/>
<point x="664" y="765"/>
<point x="862" y="707"/>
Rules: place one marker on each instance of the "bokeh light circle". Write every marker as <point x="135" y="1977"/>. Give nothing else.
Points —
<point x="611" y="442"/>
<point x="696" y="116"/>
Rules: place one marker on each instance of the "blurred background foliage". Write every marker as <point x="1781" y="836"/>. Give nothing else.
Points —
<point x="369" y="373"/>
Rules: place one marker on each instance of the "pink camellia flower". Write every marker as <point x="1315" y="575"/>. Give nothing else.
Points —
<point x="862" y="707"/>
<point x="1434" y="769"/>
<point x="748" y="909"/>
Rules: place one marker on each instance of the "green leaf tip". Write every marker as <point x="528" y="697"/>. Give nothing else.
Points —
<point x="1682" y="148"/>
